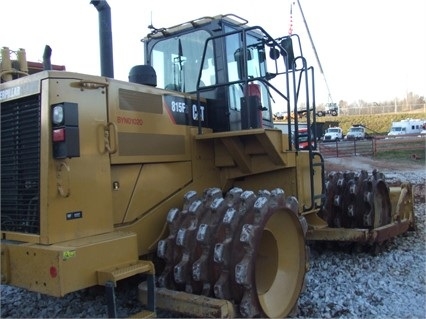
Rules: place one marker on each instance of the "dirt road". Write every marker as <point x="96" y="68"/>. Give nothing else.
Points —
<point x="410" y="170"/>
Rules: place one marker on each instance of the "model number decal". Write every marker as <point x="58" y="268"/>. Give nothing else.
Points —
<point x="184" y="111"/>
<point x="180" y="107"/>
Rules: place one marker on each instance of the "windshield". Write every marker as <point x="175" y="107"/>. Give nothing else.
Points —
<point x="356" y="129"/>
<point x="333" y="130"/>
<point x="177" y="62"/>
<point x="303" y="138"/>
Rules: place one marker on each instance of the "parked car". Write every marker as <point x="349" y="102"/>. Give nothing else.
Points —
<point x="303" y="139"/>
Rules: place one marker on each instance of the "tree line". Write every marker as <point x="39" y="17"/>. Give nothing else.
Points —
<point x="410" y="103"/>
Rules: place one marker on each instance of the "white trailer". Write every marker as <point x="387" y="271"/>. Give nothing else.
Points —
<point x="406" y="127"/>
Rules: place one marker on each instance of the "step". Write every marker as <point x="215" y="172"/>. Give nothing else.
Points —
<point x="116" y="273"/>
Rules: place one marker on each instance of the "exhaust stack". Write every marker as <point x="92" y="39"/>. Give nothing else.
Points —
<point x="47" y="64"/>
<point x="105" y="37"/>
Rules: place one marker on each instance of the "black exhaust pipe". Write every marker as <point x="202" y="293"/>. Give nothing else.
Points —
<point x="47" y="64"/>
<point x="105" y="37"/>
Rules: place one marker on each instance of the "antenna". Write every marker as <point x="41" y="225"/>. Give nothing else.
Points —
<point x="150" y="25"/>
<point x="154" y="29"/>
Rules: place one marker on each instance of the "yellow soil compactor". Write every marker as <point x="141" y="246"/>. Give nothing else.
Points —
<point x="178" y="175"/>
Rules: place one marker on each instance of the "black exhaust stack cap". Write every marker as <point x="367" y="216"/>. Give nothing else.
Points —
<point x="105" y="37"/>
<point x="47" y="64"/>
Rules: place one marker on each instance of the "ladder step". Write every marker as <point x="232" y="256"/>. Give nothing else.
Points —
<point x="127" y="270"/>
<point x="318" y="164"/>
<point x="319" y="196"/>
<point x="188" y="304"/>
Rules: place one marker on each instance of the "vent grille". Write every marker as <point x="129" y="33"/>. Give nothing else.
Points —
<point x="20" y="165"/>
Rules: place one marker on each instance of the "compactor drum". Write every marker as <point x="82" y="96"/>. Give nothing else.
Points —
<point x="356" y="200"/>
<point x="361" y="207"/>
<point x="242" y="247"/>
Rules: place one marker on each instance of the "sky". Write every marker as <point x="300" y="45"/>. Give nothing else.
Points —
<point x="370" y="50"/>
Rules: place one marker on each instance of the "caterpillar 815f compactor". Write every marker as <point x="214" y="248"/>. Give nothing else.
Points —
<point x="178" y="175"/>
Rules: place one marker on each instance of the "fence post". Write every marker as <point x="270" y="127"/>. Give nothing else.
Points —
<point x="374" y="146"/>
<point x="337" y="149"/>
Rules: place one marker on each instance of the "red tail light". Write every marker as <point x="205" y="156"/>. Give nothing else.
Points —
<point x="58" y="135"/>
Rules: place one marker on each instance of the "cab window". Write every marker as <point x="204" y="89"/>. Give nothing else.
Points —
<point x="177" y="62"/>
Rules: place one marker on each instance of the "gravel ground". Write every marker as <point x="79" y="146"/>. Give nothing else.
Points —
<point x="340" y="284"/>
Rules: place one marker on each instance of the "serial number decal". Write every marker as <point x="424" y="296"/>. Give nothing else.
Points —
<point x="184" y="111"/>
<point x="69" y="254"/>
<point x="129" y="120"/>
<point x="74" y="215"/>
<point x="10" y="93"/>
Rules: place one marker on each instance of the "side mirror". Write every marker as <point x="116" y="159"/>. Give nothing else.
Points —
<point x="287" y="44"/>
<point x="239" y="58"/>
<point x="261" y="53"/>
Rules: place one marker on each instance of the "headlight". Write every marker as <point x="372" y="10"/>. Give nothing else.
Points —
<point x="58" y="114"/>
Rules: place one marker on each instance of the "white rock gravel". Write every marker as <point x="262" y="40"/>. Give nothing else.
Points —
<point x="391" y="284"/>
<point x="340" y="284"/>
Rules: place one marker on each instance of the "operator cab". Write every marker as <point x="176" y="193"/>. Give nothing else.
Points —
<point x="225" y="63"/>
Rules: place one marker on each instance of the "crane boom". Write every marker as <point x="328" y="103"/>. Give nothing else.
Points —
<point x="315" y="50"/>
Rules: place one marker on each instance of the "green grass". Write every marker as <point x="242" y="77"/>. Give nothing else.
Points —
<point x="415" y="156"/>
